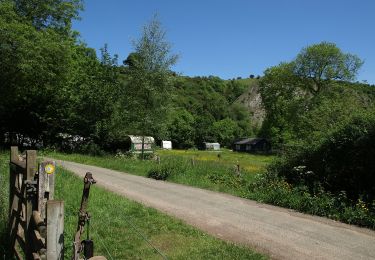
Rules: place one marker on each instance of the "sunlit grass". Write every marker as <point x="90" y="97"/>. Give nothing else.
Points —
<point x="113" y="221"/>
<point x="204" y="169"/>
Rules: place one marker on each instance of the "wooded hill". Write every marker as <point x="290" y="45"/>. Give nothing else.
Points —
<point x="56" y="92"/>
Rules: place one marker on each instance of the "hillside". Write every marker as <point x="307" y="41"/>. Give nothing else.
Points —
<point x="252" y="101"/>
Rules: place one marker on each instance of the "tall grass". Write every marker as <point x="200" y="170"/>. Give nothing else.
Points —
<point x="194" y="168"/>
<point x="4" y="205"/>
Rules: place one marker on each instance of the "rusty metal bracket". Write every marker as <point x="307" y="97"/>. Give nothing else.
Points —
<point x="83" y="215"/>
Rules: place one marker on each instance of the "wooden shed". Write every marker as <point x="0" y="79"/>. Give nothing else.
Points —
<point x="134" y="144"/>
<point x="251" y="145"/>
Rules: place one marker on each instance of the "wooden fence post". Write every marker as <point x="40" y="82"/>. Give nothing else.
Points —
<point x="46" y="185"/>
<point x="12" y="180"/>
<point x="30" y="172"/>
<point x="55" y="230"/>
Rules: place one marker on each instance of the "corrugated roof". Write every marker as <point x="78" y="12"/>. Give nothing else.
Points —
<point x="249" y="141"/>
<point x="138" y="139"/>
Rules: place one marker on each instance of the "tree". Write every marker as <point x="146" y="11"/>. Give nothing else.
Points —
<point x="57" y="14"/>
<point x="34" y="65"/>
<point x="320" y="63"/>
<point x="148" y="88"/>
<point x="292" y="89"/>
<point x="225" y="131"/>
<point x="181" y="128"/>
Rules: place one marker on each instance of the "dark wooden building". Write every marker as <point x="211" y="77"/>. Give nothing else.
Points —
<point x="252" y="145"/>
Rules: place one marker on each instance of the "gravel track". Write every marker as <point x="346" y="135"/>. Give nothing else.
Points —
<point x="277" y="232"/>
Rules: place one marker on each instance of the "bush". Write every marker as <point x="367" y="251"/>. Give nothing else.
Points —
<point x="270" y="188"/>
<point x="169" y="167"/>
<point x="159" y="173"/>
<point x="342" y="161"/>
<point x="91" y="148"/>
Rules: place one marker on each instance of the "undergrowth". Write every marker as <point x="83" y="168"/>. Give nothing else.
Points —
<point x="269" y="188"/>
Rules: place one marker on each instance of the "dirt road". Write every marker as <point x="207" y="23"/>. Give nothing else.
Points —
<point x="278" y="232"/>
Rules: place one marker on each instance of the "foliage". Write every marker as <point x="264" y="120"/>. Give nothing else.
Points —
<point x="56" y="14"/>
<point x="270" y="188"/>
<point x="55" y="85"/>
<point x="283" y="101"/>
<point x="225" y="131"/>
<point x="209" y="100"/>
<point x="341" y="161"/>
<point x="50" y="81"/>
<point x="181" y="128"/>
<point x="34" y="65"/>
<point x="293" y="93"/>
<point x="320" y="63"/>
<point x="148" y="87"/>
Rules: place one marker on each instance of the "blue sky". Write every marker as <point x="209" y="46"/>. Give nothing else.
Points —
<point x="235" y="38"/>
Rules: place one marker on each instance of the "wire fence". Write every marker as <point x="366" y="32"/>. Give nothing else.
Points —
<point x="138" y="233"/>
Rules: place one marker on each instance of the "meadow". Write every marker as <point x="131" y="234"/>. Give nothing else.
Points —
<point x="211" y="170"/>
<point x="216" y="171"/>
<point x="119" y="227"/>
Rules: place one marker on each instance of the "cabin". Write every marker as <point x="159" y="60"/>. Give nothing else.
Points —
<point x="252" y="145"/>
<point x="133" y="144"/>
<point x="211" y="146"/>
<point x="167" y="145"/>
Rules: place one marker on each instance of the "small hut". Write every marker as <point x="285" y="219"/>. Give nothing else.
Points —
<point x="166" y="145"/>
<point x="134" y="144"/>
<point x="251" y="145"/>
<point x="211" y="146"/>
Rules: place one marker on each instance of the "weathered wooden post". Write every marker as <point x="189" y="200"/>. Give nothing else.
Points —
<point x="30" y="194"/>
<point x="46" y="185"/>
<point x="192" y="161"/>
<point x="55" y="230"/>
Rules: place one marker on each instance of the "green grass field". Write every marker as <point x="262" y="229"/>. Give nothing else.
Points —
<point x="113" y="221"/>
<point x="252" y="163"/>
<point x="211" y="170"/>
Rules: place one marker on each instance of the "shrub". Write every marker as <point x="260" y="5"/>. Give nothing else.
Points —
<point x="342" y="161"/>
<point x="270" y="188"/>
<point x="170" y="166"/>
<point x="159" y="173"/>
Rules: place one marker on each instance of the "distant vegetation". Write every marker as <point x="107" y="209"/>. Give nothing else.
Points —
<point x="58" y="89"/>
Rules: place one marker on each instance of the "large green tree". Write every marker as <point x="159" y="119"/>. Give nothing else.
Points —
<point x="321" y="63"/>
<point x="292" y="90"/>
<point x="149" y="81"/>
<point x="51" y="82"/>
<point x="34" y="64"/>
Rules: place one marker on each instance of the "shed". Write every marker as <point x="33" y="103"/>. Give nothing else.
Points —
<point x="251" y="145"/>
<point x="211" y="146"/>
<point x="166" y="145"/>
<point x="134" y="144"/>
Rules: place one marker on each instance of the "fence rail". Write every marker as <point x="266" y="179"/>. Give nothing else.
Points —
<point x="36" y="221"/>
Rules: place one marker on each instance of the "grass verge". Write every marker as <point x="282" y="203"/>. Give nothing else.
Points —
<point x="113" y="219"/>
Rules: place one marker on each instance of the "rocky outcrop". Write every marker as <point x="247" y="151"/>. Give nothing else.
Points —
<point x="252" y="100"/>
